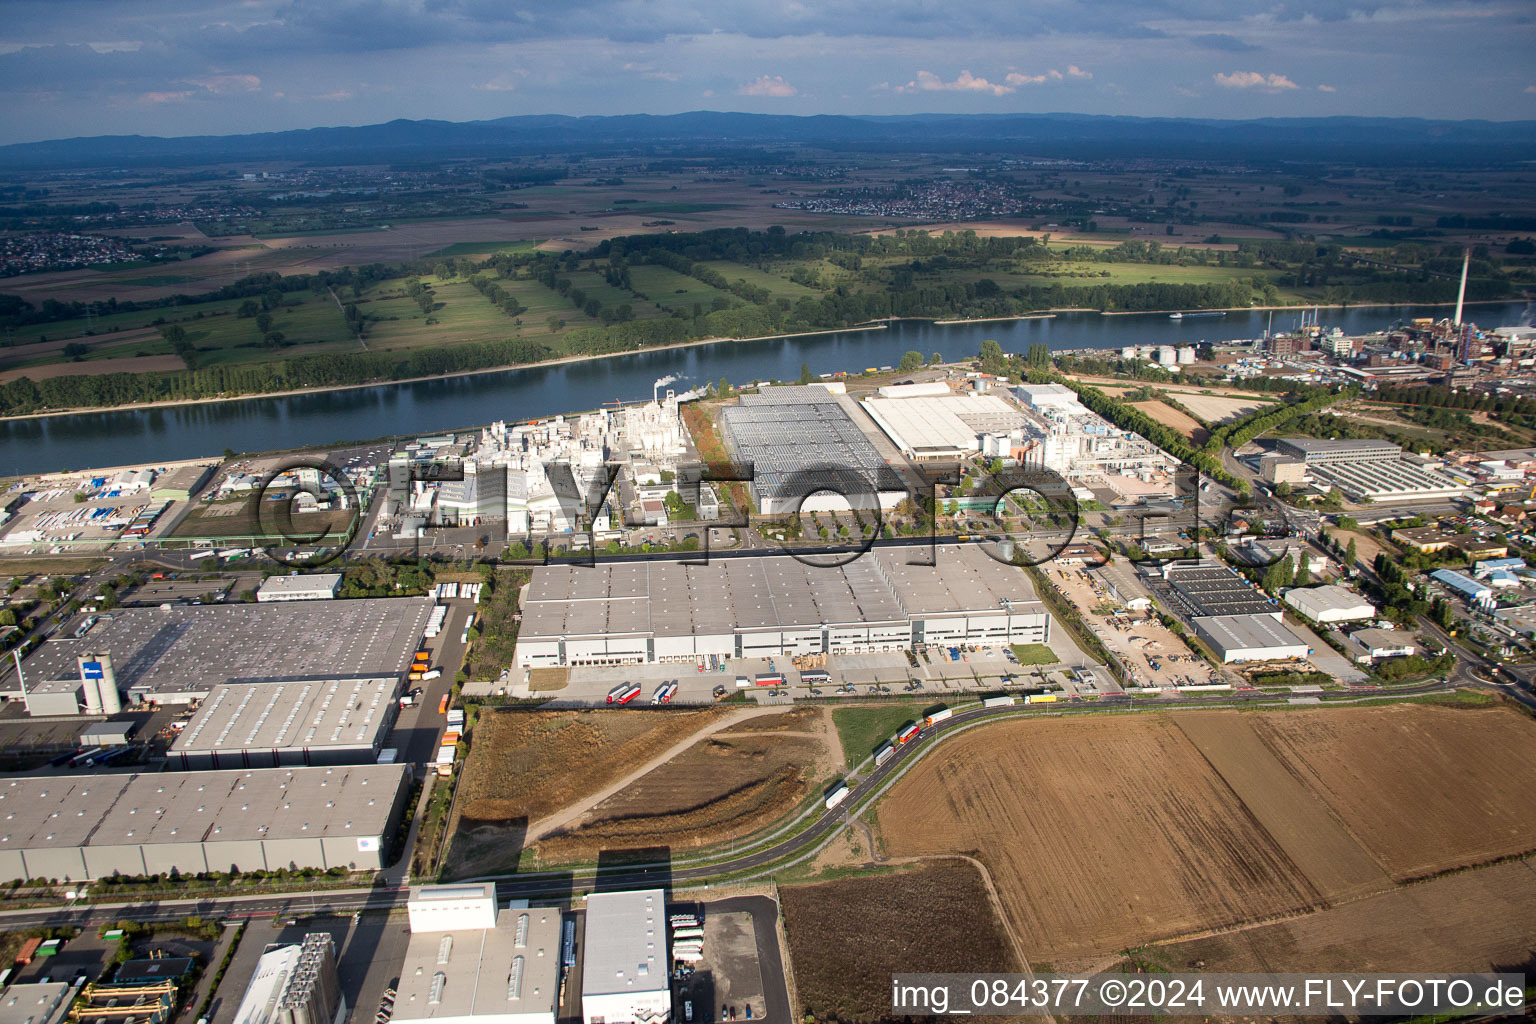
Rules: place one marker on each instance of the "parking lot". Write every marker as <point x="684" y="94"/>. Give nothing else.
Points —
<point x="741" y="975"/>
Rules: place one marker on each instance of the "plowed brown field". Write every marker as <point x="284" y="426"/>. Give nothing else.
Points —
<point x="846" y="938"/>
<point x="722" y="788"/>
<point x="1109" y="833"/>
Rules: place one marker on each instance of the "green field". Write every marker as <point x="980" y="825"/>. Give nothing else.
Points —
<point x="862" y="729"/>
<point x="781" y="287"/>
<point x="671" y="290"/>
<point x="1035" y="654"/>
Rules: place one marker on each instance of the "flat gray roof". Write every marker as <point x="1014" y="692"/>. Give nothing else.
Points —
<point x="486" y="972"/>
<point x="804" y="434"/>
<point x="193" y="648"/>
<point x="626" y="937"/>
<point x="192" y="807"/>
<point x="671" y="598"/>
<point x="1217" y="590"/>
<point x="1246" y="632"/>
<point x="289" y="716"/>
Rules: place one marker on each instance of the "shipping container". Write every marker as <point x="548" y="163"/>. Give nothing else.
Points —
<point x="742" y="682"/>
<point x="837" y="796"/>
<point x="568" y="944"/>
<point x="442" y="705"/>
<point x="937" y="716"/>
<point x="414" y="677"/>
<point x="1000" y="702"/>
<point x="28" y="951"/>
<point x="1042" y="698"/>
<point x="455" y="717"/>
<point x="681" y="935"/>
<point x="389" y="755"/>
<point x="436" y="673"/>
<point x="769" y="679"/>
<point x="814" y="677"/>
<point x="884" y="752"/>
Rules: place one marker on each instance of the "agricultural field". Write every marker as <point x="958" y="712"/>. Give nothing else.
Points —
<point x="724" y="787"/>
<point x="671" y="290"/>
<point x="1157" y="827"/>
<point x="1477" y="920"/>
<point x="1182" y="422"/>
<point x="1216" y="409"/>
<point x="780" y="286"/>
<point x="527" y="765"/>
<point x="847" y="937"/>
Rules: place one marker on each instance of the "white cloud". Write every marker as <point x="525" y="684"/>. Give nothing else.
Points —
<point x="927" y="81"/>
<point x="1326" y="88"/>
<point x="1255" y="80"/>
<point x="336" y="97"/>
<point x="768" y="85"/>
<point x="1073" y="71"/>
<point x="228" y="83"/>
<point x="1530" y="88"/>
<point x="504" y="82"/>
<point x="165" y="97"/>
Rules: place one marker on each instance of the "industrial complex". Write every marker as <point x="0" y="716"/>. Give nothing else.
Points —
<point x="624" y="972"/>
<point x="82" y="827"/>
<point x="174" y="655"/>
<point x="807" y="453"/>
<point x="642" y="612"/>
<point x="307" y="722"/>
<point x="1371" y="470"/>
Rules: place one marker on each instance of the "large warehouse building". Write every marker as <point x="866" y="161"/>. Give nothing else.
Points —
<point x="478" y="965"/>
<point x="307" y="722"/>
<point x="1207" y="588"/>
<point x="81" y="827"/>
<point x="624" y="972"/>
<point x="177" y="655"/>
<point x="667" y="611"/>
<point x="802" y="443"/>
<point x="1250" y="638"/>
<point x="1369" y="469"/>
<point x="942" y="426"/>
<point x="1329" y="603"/>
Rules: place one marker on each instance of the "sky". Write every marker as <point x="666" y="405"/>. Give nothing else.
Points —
<point x="194" y="67"/>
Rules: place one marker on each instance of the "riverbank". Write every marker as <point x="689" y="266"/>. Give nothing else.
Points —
<point x="299" y="392"/>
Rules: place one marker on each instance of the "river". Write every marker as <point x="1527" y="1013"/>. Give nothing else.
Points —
<point x="137" y="436"/>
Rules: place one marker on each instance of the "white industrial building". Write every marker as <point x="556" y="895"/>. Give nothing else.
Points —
<point x="943" y="426"/>
<point x="468" y="963"/>
<point x="1257" y="637"/>
<point x="624" y="974"/>
<point x="297" y="722"/>
<point x="452" y="908"/>
<point x="319" y="586"/>
<point x="1075" y="441"/>
<point x="90" y="826"/>
<point x="1376" y="470"/>
<point x="41" y="1002"/>
<point x="670" y="611"/>
<point x="295" y="984"/>
<point x="1329" y="603"/>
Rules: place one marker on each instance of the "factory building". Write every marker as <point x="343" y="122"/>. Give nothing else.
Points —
<point x="671" y="611"/>
<point x="42" y="1002"/>
<point x="1465" y="586"/>
<point x="1329" y="603"/>
<point x="82" y="827"/>
<point x="1208" y="588"/>
<point x="1367" y="645"/>
<point x="1369" y="469"/>
<point x="301" y="722"/>
<point x="624" y="973"/>
<point x="319" y="586"/>
<point x="802" y="443"/>
<point x="1074" y="441"/>
<point x="452" y="908"/>
<point x="175" y="655"/>
<point x="1237" y="638"/>
<point x="944" y="426"/>
<point x="468" y="963"/>
<point x="295" y="984"/>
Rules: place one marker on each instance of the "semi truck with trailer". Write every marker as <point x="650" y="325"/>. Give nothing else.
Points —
<point x="837" y="795"/>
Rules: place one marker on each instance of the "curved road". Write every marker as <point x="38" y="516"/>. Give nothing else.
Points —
<point x="800" y="845"/>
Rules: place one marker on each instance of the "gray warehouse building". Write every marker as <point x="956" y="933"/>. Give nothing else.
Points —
<point x="75" y="828"/>
<point x="307" y="722"/>
<point x="670" y="611"/>
<point x="802" y="443"/>
<point x="1250" y="638"/>
<point x="177" y="655"/>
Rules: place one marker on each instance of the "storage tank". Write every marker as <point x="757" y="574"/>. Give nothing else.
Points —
<point x="1128" y="352"/>
<point x="1186" y="355"/>
<point x="111" y="700"/>
<point x="91" y="670"/>
<point x="1166" y="355"/>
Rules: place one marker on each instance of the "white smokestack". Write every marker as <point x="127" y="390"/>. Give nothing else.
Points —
<point x="111" y="700"/>
<point x="1461" y="293"/>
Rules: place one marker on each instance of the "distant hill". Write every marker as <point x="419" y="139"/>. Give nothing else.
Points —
<point x="1361" y="140"/>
